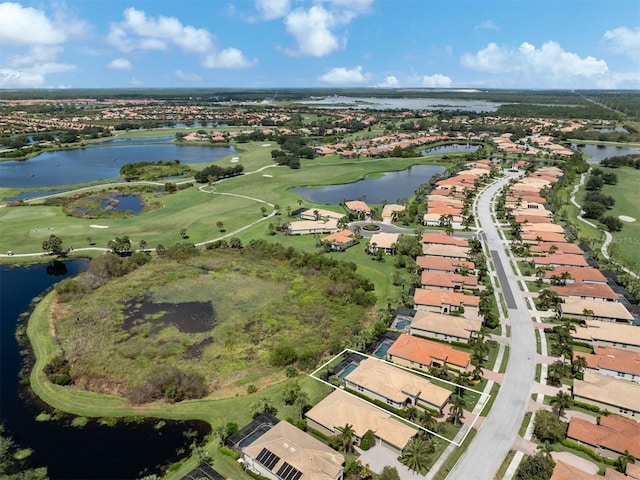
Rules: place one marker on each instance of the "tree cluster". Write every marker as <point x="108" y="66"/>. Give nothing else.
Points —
<point x="632" y="160"/>
<point x="216" y="172"/>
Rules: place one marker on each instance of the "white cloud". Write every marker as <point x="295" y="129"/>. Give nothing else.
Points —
<point x="624" y="40"/>
<point x="341" y="75"/>
<point x="120" y="64"/>
<point x="28" y="26"/>
<point x="389" y="82"/>
<point x="140" y="32"/>
<point x="436" y="81"/>
<point x="228" y="58"/>
<point x="317" y="30"/>
<point x="186" y="77"/>
<point x="487" y="25"/>
<point x="547" y="66"/>
<point x="272" y="9"/>
<point x="136" y="82"/>
<point x="19" y="79"/>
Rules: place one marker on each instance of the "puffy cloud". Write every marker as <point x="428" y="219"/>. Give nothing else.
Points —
<point x="135" y="82"/>
<point x="28" y="26"/>
<point x="312" y="31"/>
<point x="271" y="9"/>
<point x="10" y="78"/>
<point x="140" y="32"/>
<point x="228" y="58"/>
<point x="547" y="66"/>
<point x="186" y="77"/>
<point x="624" y="40"/>
<point x="389" y="82"/>
<point x="341" y="75"/>
<point x="120" y="64"/>
<point x="436" y="81"/>
<point x="317" y="30"/>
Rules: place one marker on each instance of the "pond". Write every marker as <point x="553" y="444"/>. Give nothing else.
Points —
<point x="123" y="203"/>
<point x="391" y="186"/>
<point x="598" y="153"/>
<point x="455" y="148"/>
<point x="94" y="451"/>
<point x="404" y="103"/>
<point x="68" y="167"/>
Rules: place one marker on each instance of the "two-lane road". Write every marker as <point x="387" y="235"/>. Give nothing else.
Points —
<point x="487" y="450"/>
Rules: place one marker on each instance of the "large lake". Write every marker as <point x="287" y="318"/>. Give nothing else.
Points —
<point x="391" y="186"/>
<point x="598" y="153"/>
<point x="68" y="167"/>
<point x="94" y="451"/>
<point x="403" y="103"/>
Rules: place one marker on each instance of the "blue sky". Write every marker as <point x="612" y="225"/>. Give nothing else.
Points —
<point x="320" y="43"/>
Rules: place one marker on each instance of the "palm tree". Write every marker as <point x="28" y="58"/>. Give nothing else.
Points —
<point x="428" y="421"/>
<point x="456" y="408"/>
<point x="623" y="460"/>
<point x="143" y="244"/>
<point x="555" y="372"/>
<point x="410" y="413"/>
<point x="579" y="364"/>
<point x="346" y="436"/>
<point x="415" y="455"/>
<point x="561" y="402"/>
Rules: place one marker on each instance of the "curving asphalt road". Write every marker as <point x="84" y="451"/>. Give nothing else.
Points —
<point x="486" y="452"/>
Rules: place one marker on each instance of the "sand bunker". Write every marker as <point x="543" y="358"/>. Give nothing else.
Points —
<point x="266" y="145"/>
<point x="267" y="175"/>
<point x="98" y="226"/>
<point x="627" y="219"/>
<point x="234" y="160"/>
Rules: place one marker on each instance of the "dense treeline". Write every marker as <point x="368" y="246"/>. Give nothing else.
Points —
<point x="622" y="161"/>
<point x="215" y="172"/>
<point x="153" y="170"/>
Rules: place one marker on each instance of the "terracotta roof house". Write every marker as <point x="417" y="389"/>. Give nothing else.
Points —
<point x="587" y="291"/>
<point x="383" y="241"/>
<point x="390" y="210"/>
<point x="340" y="408"/>
<point x="543" y="227"/>
<point x="615" y="362"/>
<point x="357" y="206"/>
<point x="414" y="352"/>
<point x="605" y="334"/>
<point x="320" y="214"/>
<point x="617" y="396"/>
<point x="287" y="453"/>
<point x="396" y="387"/>
<point x="537" y="237"/>
<point x="304" y="227"/>
<point x="565" y="471"/>
<point x="434" y="219"/>
<point x="556" y="247"/>
<point x="339" y="241"/>
<point x="446" y="251"/>
<point x="441" y="264"/>
<point x="441" y="238"/>
<point x="633" y="472"/>
<point x="531" y="219"/>
<point x="560" y="260"/>
<point x="610" y="438"/>
<point x="450" y="328"/>
<point x="577" y="274"/>
<point x="542" y="212"/>
<point x="580" y="309"/>
<point x="441" y="301"/>
<point x="447" y="281"/>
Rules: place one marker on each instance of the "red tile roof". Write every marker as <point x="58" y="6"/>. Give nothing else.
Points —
<point x="425" y="351"/>
<point x="437" y="298"/>
<point x="578" y="274"/>
<point x="442" y="264"/>
<point x="443" y="239"/>
<point x="448" y="280"/>
<point x="614" y="433"/>
<point x="595" y="290"/>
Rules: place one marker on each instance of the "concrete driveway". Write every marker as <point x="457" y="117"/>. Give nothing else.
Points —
<point x="380" y="456"/>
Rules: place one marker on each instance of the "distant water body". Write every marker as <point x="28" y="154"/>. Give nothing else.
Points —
<point x="404" y="103"/>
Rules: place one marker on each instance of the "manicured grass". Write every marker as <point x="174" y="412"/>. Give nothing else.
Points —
<point x="505" y="360"/>
<point x="525" y="423"/>
<point x="505" y="464"/>
<point x="495" y="388"/>
<point x="454" y="457"/>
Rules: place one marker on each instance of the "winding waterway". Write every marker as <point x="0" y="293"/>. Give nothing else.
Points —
<point x="124" y="451"/>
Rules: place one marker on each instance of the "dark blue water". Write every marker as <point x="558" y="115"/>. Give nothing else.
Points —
<point x="131" y="203"/>
<point x="100" y="452"/>
<point x="455" y="148"/>
<point x="391" y="186"/>
<point x="598" y="153"/>
<point x="137" y="141"/>
<point x="25" y="195"/>
<point x="68" y="167"/>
